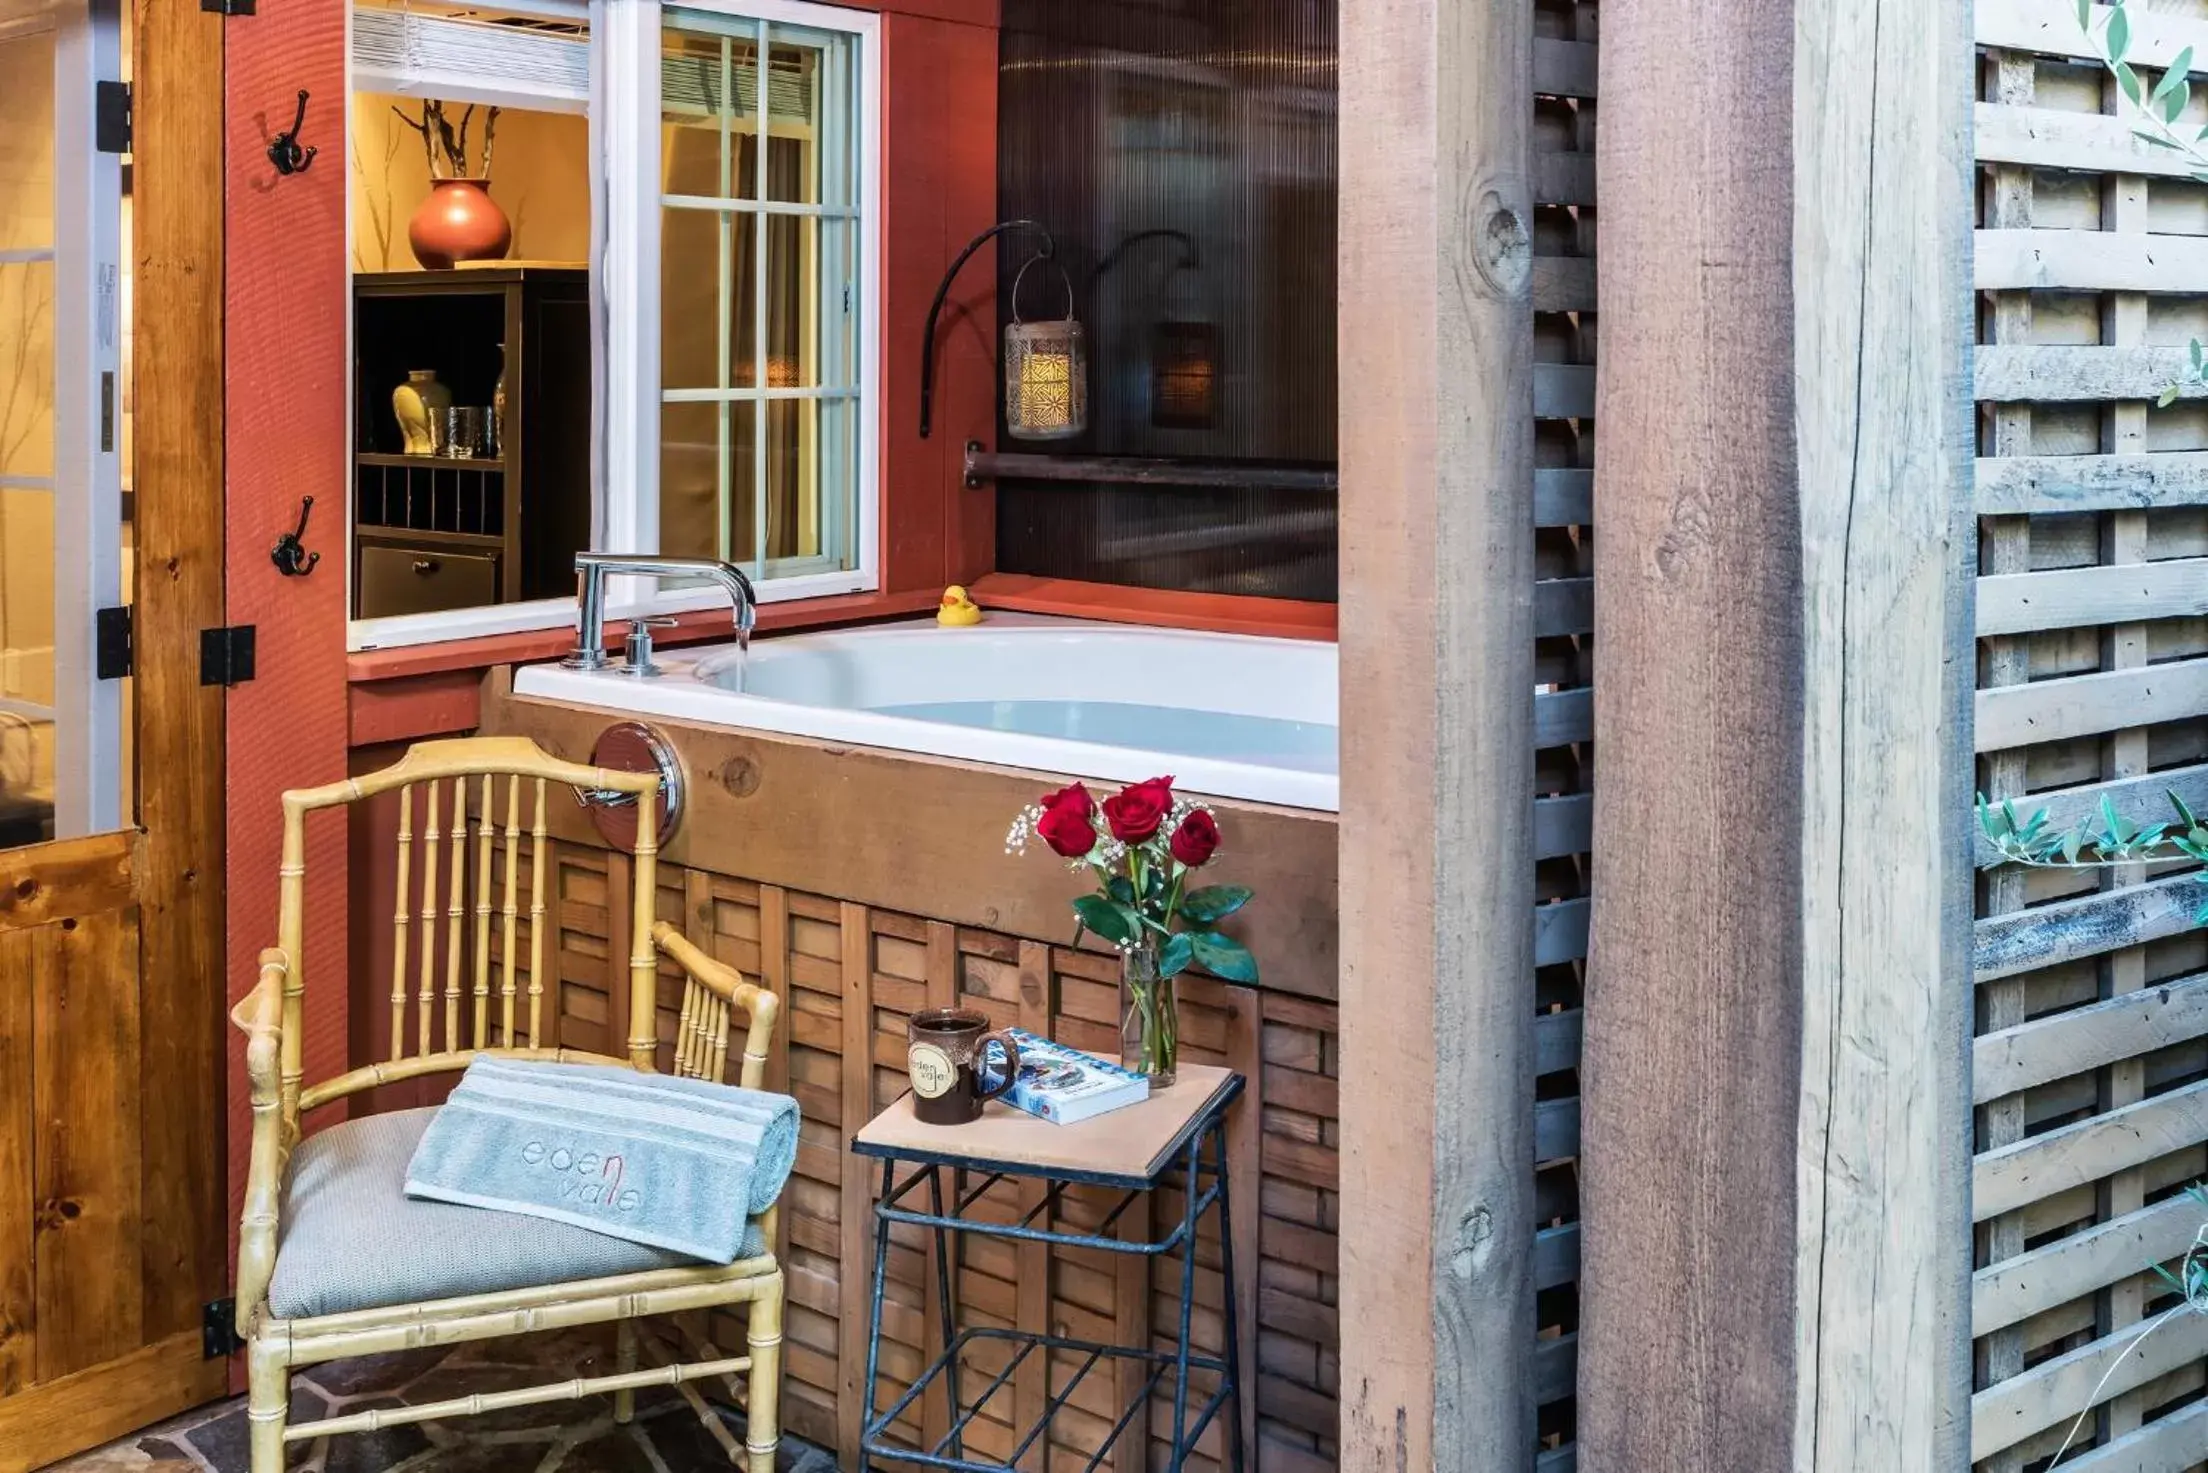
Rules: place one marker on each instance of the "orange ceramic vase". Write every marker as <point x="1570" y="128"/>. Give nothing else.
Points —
<point x="458" y="222"/>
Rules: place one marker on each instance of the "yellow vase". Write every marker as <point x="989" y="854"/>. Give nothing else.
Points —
<point x="417" y="402"/>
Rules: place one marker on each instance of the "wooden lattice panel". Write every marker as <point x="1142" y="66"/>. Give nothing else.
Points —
<point x="1564" y="347"/>
<point x="2089" y="1073"/>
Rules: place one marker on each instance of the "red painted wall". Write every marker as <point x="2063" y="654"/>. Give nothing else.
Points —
<point x="284" y="393"/>
<point x="287" y="305"/>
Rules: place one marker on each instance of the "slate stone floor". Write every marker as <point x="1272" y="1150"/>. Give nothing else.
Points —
<point x="558" y="1437"/>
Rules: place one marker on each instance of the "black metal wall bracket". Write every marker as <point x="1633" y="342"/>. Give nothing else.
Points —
<point x="1048" y="251"/>
<point x="111" y="643"/>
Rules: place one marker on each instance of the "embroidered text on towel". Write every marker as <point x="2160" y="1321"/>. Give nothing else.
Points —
<point x="577" y="1168"/>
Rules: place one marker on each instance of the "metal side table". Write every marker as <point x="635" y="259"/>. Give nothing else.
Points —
<point x="1182" y="1128"/>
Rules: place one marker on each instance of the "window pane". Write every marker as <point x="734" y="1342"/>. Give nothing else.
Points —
<point x="706" y="298"/>
<point x="27" y="141"/>
<point x="794" y="288"/>
<point x="811" y="83"/>
<point x="707" y="462"/>
<point x="708" y="106"/>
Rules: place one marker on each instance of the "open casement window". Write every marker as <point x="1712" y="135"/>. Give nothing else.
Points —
<point x="733" y="271"/>
<point x="741" y="361"/>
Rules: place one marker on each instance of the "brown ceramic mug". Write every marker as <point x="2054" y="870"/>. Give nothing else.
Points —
<point x="943" y="1058"/>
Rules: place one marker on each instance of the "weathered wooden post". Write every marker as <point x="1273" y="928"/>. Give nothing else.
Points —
<point x="1776" y="1156"/>
<point x="1437" y="651"/>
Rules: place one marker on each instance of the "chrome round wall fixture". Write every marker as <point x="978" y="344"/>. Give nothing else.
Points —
<point x="634" y="747"/>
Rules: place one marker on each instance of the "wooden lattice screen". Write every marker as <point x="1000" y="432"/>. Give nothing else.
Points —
<point x="2090" y="1074"/>
<point x="1564" y="396"/>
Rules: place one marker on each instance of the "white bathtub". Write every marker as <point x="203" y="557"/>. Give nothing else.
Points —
<point x="1232" y="716"/>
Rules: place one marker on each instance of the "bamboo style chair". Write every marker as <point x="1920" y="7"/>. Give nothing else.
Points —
<point x="318" y="1211"/>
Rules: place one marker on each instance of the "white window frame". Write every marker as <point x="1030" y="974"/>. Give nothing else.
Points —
<point x="625" y="129"/>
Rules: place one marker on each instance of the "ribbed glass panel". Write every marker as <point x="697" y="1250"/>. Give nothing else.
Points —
<point x="1183" y="153"/>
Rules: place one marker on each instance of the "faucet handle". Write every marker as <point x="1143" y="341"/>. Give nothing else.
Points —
<point x="640" y="644"/>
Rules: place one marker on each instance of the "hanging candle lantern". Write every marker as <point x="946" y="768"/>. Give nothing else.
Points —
<point x="1046" y="371"/>
<point x="1184" y="376"/>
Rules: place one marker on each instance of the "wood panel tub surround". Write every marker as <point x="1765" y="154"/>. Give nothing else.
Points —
<point x="764" y="881"/>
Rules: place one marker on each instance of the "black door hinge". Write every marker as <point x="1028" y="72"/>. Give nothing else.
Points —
<point x="111" y="643"/>
<point x="226" y="655"/>
<point x="218" y="1329"/>
<point x="111" y="117"/>
<point x="227" y="7"/>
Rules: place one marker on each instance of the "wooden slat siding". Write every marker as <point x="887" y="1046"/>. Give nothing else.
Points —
<point x="1031" y="1383"/>
<point x="2171" y="1445"/>
<point x="2089" y="705"/>
<point x="2126" y="545"/>
<point x="2032" y="1283"/>
<point x="1563" y="497"/>
<point x="2050" y="28"/>
<point x="1563" y="718"/>
<point x="855" y="1221"/>
<point x="2090" y="260"/>
<point x="2051" y="1393"/>
<point x="2064" y="374"/>
<point x="1563" y="606"/>
<point x="2046" y="1049"/>
<point x="2044" y="138"/>
<point x="942" y="992"/>
<point x="2072" y="930"/>
<point x="2069" y="598"/>
<point x="2008" y="1177"/>
<point x="1565" y="327"/>
<point x="2024" y="484"/>
<point x="1562" y="390"/>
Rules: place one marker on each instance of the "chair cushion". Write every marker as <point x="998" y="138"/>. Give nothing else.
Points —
<point x="351" y="1238"/>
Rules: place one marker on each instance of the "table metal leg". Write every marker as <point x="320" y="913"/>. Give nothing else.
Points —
<point x="1234" y="1318"/>
<point x="874" y="1317"/>
<point x="1191" y="1190"/>
<point x="949" y="1324"/>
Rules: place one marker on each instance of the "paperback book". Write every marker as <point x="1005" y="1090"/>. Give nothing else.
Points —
<point x="1066" y="1085"/>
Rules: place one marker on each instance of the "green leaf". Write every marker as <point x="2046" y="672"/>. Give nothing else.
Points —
<point x="2180" y="68"/>
<point x="2168" y="396"/>
<point x="2072" y="843"/>
<point x="2153" y="139"/>
<point x="2118" y="38"/>
<point x="2173" y="103"/>
<point x="2085" y="14"/>
<point x="2168" y="1277"/>
<point x="1176" y="954"/>
<point x="1214" y="903"/>
<point x="2184" y="814"/>
<point x="2127" y="79"/>
<point x="1121" y="889"/>
<point x="1223" y="956"/>
<point x="1112" y="922"/>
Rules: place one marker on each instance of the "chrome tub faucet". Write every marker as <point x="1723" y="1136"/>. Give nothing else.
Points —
<point x="591" y="572"/>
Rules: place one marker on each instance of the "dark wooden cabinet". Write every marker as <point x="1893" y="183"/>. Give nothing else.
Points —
<point x="443" y="531"/>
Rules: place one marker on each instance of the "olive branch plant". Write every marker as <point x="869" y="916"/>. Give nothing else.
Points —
<point x="2156" y="124"/>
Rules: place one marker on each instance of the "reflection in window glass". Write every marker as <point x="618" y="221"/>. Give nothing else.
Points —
<point x="759" y="362"/>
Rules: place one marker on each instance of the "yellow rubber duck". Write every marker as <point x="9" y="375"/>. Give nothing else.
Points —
<point x="957" y="611"/>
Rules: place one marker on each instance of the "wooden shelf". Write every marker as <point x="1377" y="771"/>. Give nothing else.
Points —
<point x="432" y="462"/>
<point x="389" y="536"/>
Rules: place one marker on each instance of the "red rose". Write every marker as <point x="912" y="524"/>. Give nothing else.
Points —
<point x="1135" y="813"/>
<point x="1196" y="838"/>
<point x="1065" y="825"/>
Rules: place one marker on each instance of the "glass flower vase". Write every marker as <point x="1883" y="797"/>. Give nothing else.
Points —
<point x="1150" y="1016"/>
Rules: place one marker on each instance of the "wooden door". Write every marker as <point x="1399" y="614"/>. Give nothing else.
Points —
<point x="112" y="1234"/>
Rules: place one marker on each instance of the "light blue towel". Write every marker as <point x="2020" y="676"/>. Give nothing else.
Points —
<point x="677" y="1163"/>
